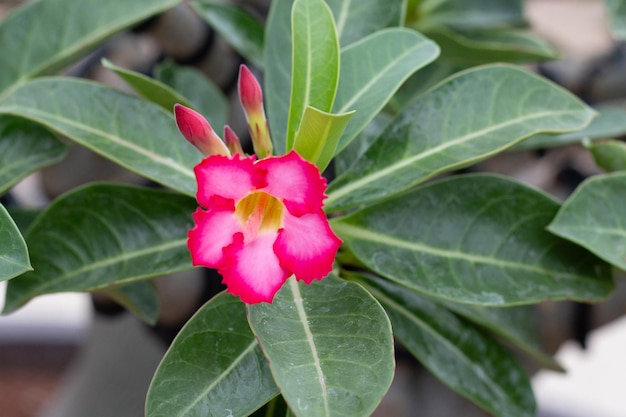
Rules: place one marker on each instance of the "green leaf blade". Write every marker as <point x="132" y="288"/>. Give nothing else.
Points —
<point x="593" y="217"/>
<point x="103" y="234"/>
<point x="467" y="118"/>
<point x="609" y="155"/>
<point x="475" y="239"/>
<point x="14" y="258"/>
<point x="214" y="367"/>
<point x="329" y="346"/>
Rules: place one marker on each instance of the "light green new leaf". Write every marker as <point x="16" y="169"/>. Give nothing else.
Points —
<point x="355" y="19"/>
<point x="469" y="14"/>
<point x="13" y="252"/>
<point x="100" y="235"/>
<point x="373" y="69"/>
<point x="319" y="134"/>
<point x="315" y="62"/>
<point x="468" y="117"/>
<point x="617" y="13"/>
<point x="462" y="357"/>
<point x="149" y="88"/>
<point x="594" y="217"/>
<point x="43" y="36"/>
<point x="609" y="123"/>
<point x="241" y="30"/>
<point x="24" y="148"/>
<point x="471" y="48"/>
<point x="132" y="132"/>
<point x="139" y="297"/>
<point x="214" y="367"/>
<point x="477" y="239"/>
<point x="609" y="155"/>
<point x="329" y="347"/>
<point x="196" y="87"/>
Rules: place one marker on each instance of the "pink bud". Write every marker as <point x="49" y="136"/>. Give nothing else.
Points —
<point x="232" y="141"/>
<point x="251" y="98"/>
<point x="198" y="131"/>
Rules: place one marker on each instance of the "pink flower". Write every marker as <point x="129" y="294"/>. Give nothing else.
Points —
<point x="262" y="222"/>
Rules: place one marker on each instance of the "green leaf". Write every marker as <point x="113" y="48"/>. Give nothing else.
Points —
<point x="103" y="234"/>
<point x="205" y="96"/>
<point x="609" y="155"/>
<point x="148" y="88"/>
<point x="469" y="117"/>
<point x="609" y="122"/>
<point x="13" y="252"/>
<point x="594" y="217"/>
<point x="329" y="347"/>
<point x="44" y="36"/>
<point x="315" y="62"/>
<point x="23" y="218"/>
<point x="132" y="132"/>
<point x="477" y="239"/>
<point x="214" y="367"/>
<point x="462" y="357"/>
<point x="470" y="14"/>
<point x="242" y="31"/>
<point x="373" y="69"/>
<point x="139" y="297"/>
<point x="345" y="159"/>
<point x="24" y="148"/>
<point x="319" y="134"/>
<point x="470" y="48"/>
<point x="617" y="13"/>
<point x="355" y="19"/>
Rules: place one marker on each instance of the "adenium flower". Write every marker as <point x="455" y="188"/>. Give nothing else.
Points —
<point x="262" y="222"/>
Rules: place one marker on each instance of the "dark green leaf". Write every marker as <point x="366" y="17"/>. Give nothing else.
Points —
<point x="359" y="145"/>
<point x="462" y="357"/>
<point x="470" y="14"/>
<point x="329" y="346"/>
<point x="100" y="235"/>
<point x="617" y="13"/>
<point x="467" y="118"/>
<point x="140" y="297"/>
<point x="13" y="252"/>
<point x="43" y="36"/>
<point x="594" y="217"/>
<point x="213" y="368"/>
<point x="609" y="155"/>
<point x="242" y="31"/>
<point x="24" y="148"/>
<point x="132" y="132"/>
<point x="477" y="239"/>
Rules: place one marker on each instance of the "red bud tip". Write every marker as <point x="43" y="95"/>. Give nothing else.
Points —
<point x="232" y="141"/>
<point x="250" y="92"/>
<point x="195" y="128"/>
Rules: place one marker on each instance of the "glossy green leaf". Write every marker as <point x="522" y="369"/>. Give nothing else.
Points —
<point x="462" y="357"/>
<point x="609" y="155"/>
<point x="329" y="347"/>
<point x="196" y="87"/>
<point x="469" y="14"/>
<point x="22" y="217"/>
<point x="594" y="217"/>
<point x="149" y="88"/>
<point x="483" y="47"/>
<point x="319" y="134"/>
<point x="43" y="36"/>
<point x="373" y="69"/>
<point x="315" y="62"/>
<point x="214" y="367"/>
<point x="477" y="239"/>
<point x="610" y="122"/>
<point x="100" y="235"/>
<point x="132" y="132"/>
<point x="346" y="158"/>
<point x="140" y="297"/>
<point x="242" y="31"/>
<point x="469" y="117"/>
<point x="13" y="251"/>
<point x="25" y="147"/>
<point x="617" y="13"/>
<point x="355" y="19"/>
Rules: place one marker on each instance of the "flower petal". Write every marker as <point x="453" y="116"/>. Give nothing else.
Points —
<point x="295" y="181"/>
<point x="252" y="270"/>
<point x="213" y="231"/>
<point x="228" y="178"/>
<point x="307" y="246"/>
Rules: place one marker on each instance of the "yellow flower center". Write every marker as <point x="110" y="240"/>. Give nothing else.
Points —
<point x="259" y="212"/>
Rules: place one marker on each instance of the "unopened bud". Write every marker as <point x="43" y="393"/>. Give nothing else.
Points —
<point x="232" y="141"/>
<point x="195" y="128"/>
<point x="251" y="97"/>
